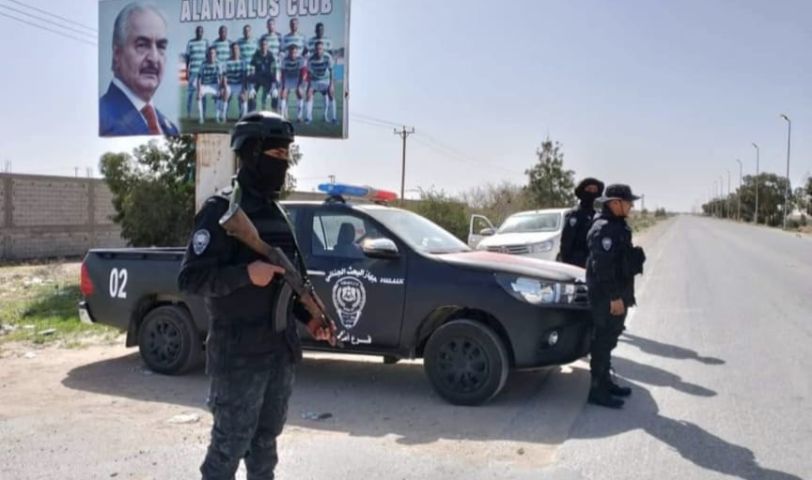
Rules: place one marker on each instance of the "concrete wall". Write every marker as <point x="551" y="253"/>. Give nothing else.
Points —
<point x="43" y="216"/>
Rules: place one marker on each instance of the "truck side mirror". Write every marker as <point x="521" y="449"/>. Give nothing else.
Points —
<point x="383" y="248"/>
<point x="487" y="232"/>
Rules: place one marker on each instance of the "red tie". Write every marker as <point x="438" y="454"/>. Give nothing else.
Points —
<point x="152" y="120"/>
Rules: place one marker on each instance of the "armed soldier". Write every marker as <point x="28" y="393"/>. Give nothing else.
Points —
<point x="612" y="265"/>
<point x="577" y="223"/>
<point x="251" y="347"/>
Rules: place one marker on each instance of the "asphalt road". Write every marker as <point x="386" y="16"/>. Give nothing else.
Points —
<point x="717" y="354"/>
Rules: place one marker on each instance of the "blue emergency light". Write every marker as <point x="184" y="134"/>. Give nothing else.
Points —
<point x="367" y="193"/>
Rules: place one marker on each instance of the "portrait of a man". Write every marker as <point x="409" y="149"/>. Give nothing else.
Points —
<point x="139" y="61"/>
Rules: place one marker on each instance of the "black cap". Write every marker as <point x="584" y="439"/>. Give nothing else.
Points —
<point x="618" y="191"/>
<point x="579" y="190"/>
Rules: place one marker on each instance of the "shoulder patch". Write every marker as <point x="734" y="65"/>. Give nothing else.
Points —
<point x="573" y="221"/>
<point x="200" y="241"/>
<point x="606" y="243"/>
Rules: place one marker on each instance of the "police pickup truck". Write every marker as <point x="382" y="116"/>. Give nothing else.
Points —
<point x="400" y="287"/>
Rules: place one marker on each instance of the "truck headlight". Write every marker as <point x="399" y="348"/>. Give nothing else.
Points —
<point x="541" y="247"/>
<point x="536" y="291"/>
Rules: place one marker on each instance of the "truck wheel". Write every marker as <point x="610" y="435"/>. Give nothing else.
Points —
<point x="168" y="340"/>
<point x="466" y="362"/>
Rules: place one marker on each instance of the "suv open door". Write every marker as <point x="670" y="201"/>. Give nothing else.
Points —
<point x="479" y="228"/>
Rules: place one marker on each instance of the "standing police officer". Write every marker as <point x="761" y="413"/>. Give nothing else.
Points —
<point x="249" y="356"/>
<point x="577" y="222"/>
<point x="613" y="262"/>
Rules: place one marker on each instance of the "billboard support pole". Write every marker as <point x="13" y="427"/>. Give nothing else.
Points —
<point x="215" y="165"/>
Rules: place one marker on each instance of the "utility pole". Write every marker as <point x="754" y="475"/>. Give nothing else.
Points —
<point x="722" y="195"/>
<point x="739" y="192"/>
<point x="403" y="134"/>
<point x="786" y="192"/>
<point x="755" y="215"/>
<point x="727" y="199"/>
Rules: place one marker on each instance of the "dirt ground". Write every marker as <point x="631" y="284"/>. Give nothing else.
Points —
<point x="16" y="281"/>
<point x="97" y="412"/>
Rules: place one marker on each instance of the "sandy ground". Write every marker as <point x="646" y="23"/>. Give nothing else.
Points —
<point x="97" y="412"/>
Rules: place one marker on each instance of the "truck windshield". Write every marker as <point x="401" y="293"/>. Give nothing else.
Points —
<point x="418" y="232"/>
<point x="531" y="222"/>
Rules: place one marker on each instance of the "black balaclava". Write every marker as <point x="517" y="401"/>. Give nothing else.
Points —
<point x="261" y="174"/>
<point x="588" y="198"/>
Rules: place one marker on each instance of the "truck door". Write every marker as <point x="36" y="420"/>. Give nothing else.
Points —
<point x="366" y="295"/>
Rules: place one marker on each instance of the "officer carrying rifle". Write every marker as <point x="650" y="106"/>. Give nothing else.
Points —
<point x="243" y="258"/>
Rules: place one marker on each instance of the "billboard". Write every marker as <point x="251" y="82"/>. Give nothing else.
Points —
<point x="195" y="66"/>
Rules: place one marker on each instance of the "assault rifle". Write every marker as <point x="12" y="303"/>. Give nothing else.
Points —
<point x="238" y="225"/>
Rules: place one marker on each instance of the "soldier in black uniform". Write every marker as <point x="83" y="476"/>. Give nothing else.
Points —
<point x="249" y="354"/>
<point x="613" y="262"/>
<point x="577" y="222"/>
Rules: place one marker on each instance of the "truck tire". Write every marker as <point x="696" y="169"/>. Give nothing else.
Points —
<point x="168" y="340"/>
<point x="466" y="362"/>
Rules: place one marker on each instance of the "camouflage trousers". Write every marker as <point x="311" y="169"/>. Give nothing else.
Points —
<point x="250" y="409"/>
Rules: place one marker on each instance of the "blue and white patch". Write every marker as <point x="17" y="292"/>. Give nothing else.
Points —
<point x="573" y="221"/>
<point x="606" y="243"/>
<point x="200" y="241"/>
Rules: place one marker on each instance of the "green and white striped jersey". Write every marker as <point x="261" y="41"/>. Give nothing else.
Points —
<point x="292" y="67"/>
<point x="223" y="49"/>
<point x="236" y="71"/>
<point x="274" y="42"/>
<point x="196" y="54"/>
<point x="210" y="73"/>
<point x="320" y="68"/>
<point x="293" y="39"/>
<point x="311" y="45"/>
<point x="247" y="48"/>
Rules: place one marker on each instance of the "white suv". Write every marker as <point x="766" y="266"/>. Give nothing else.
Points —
<point x="535" y="233"/>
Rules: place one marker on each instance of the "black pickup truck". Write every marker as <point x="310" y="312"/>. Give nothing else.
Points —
<point x="400" y="286"/>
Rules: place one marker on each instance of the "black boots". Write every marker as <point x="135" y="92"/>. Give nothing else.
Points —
<point x="617" y="390"/>
<point x="600" y="394"/>
<point x="603" y="391"/>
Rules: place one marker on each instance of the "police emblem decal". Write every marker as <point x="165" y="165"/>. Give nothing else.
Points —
<point x="349" y="298"/>
<point x="200" y="241"/>
<point x="573" y="221"/>
<point x="607" y="243"/>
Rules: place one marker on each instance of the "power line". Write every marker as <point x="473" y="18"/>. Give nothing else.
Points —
<point x="372" y="124"/>
<point x="375" y="119"/>
<point x="23" y="12"/>
<point x="457" y="156"/>
<point x="431" y="142"/>
<point x="93" y="44"/>
<point x="54" y="15"/>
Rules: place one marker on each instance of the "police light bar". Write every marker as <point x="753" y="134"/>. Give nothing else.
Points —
<point x="367" y="193"/>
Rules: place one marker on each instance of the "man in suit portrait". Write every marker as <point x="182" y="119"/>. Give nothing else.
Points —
<point x="139" y="58"/>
